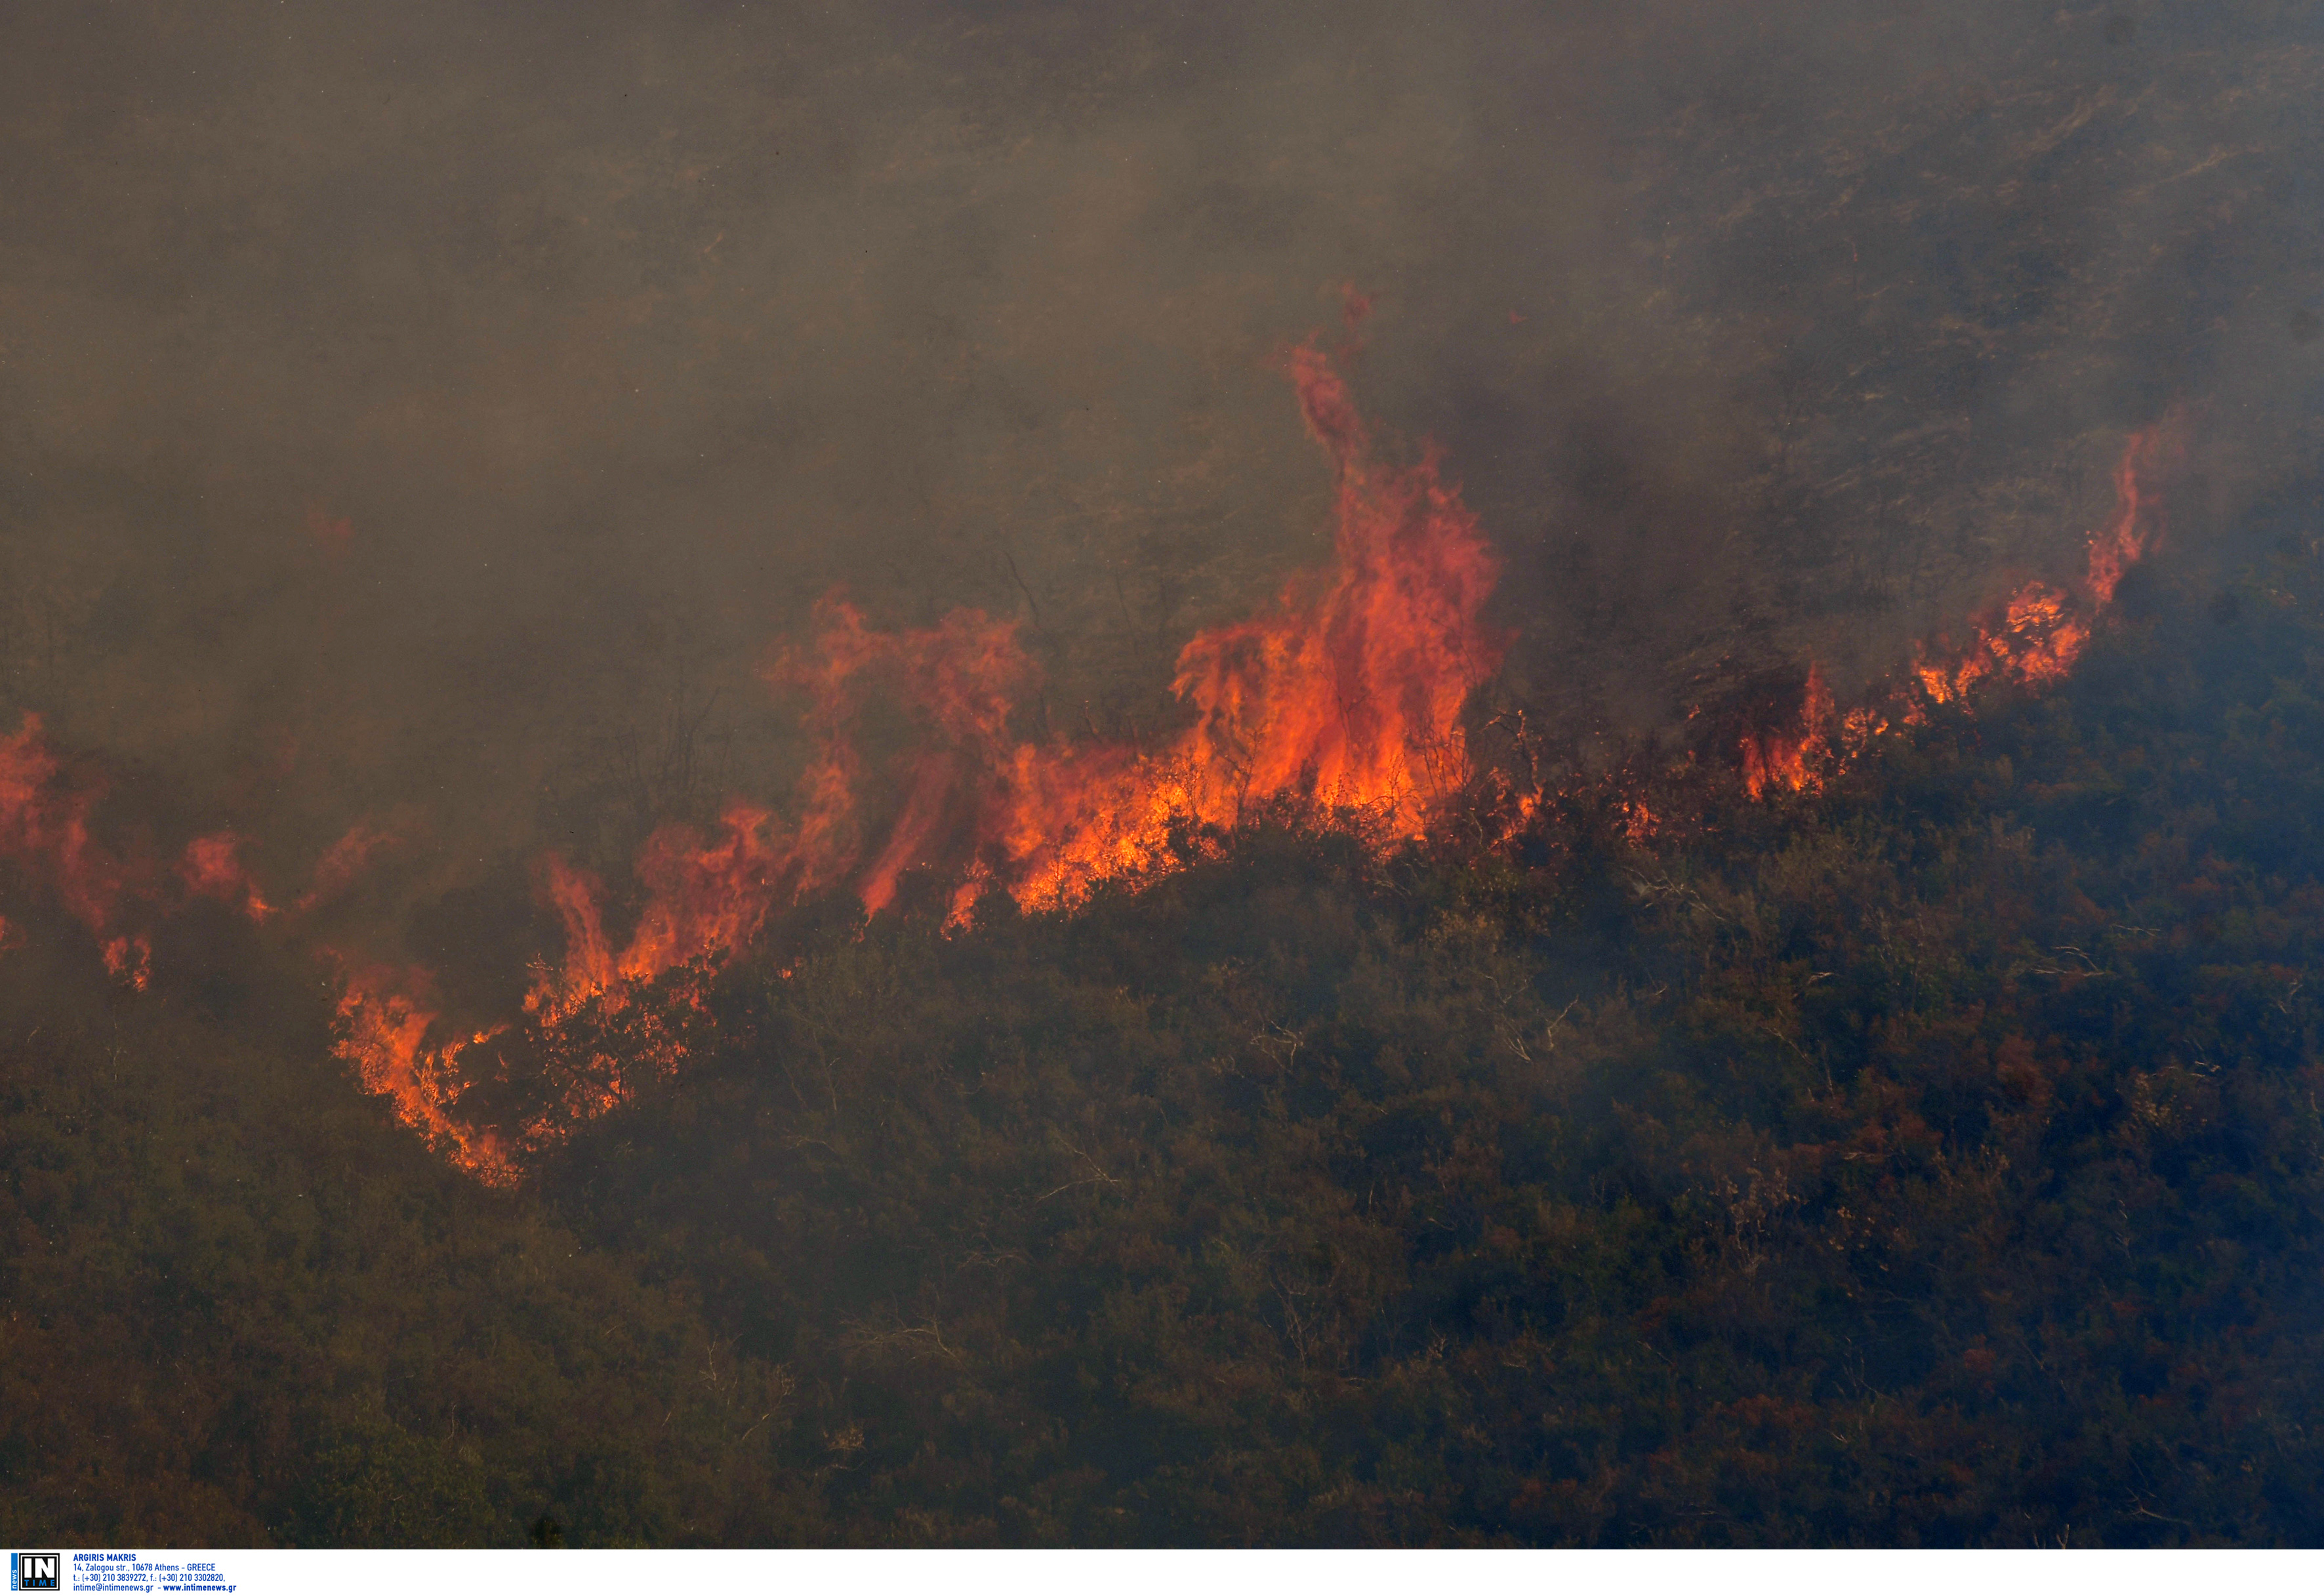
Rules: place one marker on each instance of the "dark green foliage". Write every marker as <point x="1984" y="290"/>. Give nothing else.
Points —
<point x="1934" y="1160"/>
<point x="242" y="1305"/>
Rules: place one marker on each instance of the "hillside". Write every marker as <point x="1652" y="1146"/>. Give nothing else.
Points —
<point x="1932" y="1160"/>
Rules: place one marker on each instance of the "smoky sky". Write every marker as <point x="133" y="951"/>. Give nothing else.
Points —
<point x="417" y="410"/>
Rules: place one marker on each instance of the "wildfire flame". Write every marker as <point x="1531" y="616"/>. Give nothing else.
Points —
<point x="704" y="898"/>
<point x="1349" y="692"/>
<point x="384" y="1026"/>
<point x="1791" y="758"/>
<point x="45" y="832"/>
<point x="44" y="829"/>
<point x="2030" y="640"/>
<point x="129" y="961"/>
<point x="1345" y="695"/>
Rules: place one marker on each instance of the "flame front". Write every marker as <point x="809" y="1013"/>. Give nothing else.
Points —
<point x="2030" y="640"/>
<point x="1345" y="695"/>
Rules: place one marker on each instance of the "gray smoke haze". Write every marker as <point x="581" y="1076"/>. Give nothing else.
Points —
<point x="415" y="410"/>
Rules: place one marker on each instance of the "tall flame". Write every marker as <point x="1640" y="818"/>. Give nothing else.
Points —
<point x="704" y="898"/>
<point x="2136" y="524"/>
<point x="1347" y="692"/>
<point x="1791" y="757"/>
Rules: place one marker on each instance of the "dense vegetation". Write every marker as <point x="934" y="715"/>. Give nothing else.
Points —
<point x="1935" y="1160"/>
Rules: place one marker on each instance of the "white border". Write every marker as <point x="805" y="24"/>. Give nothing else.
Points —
<point x="1190" y="1574"/>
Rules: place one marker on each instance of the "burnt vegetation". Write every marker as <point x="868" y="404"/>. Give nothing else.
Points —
<point x="1932" y="1160"/>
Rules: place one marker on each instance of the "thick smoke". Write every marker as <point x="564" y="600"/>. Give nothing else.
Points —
<point x="432" y="416"/>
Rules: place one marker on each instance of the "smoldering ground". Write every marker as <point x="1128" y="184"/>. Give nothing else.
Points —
<point x="433" y="415"/>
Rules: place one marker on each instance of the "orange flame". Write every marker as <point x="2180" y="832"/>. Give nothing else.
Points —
<point x="2136" y="524"/>
<point x="2032" y="639"/>
<point x="1792" y="759"/>
<point x="1347" y="694"/>
<point x="2038" y="633"/>
<point x="384" y="1033"/>
<point x="44" y="829"/>
<point x="959" y="679"/>
<point x="704" y="898"/>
